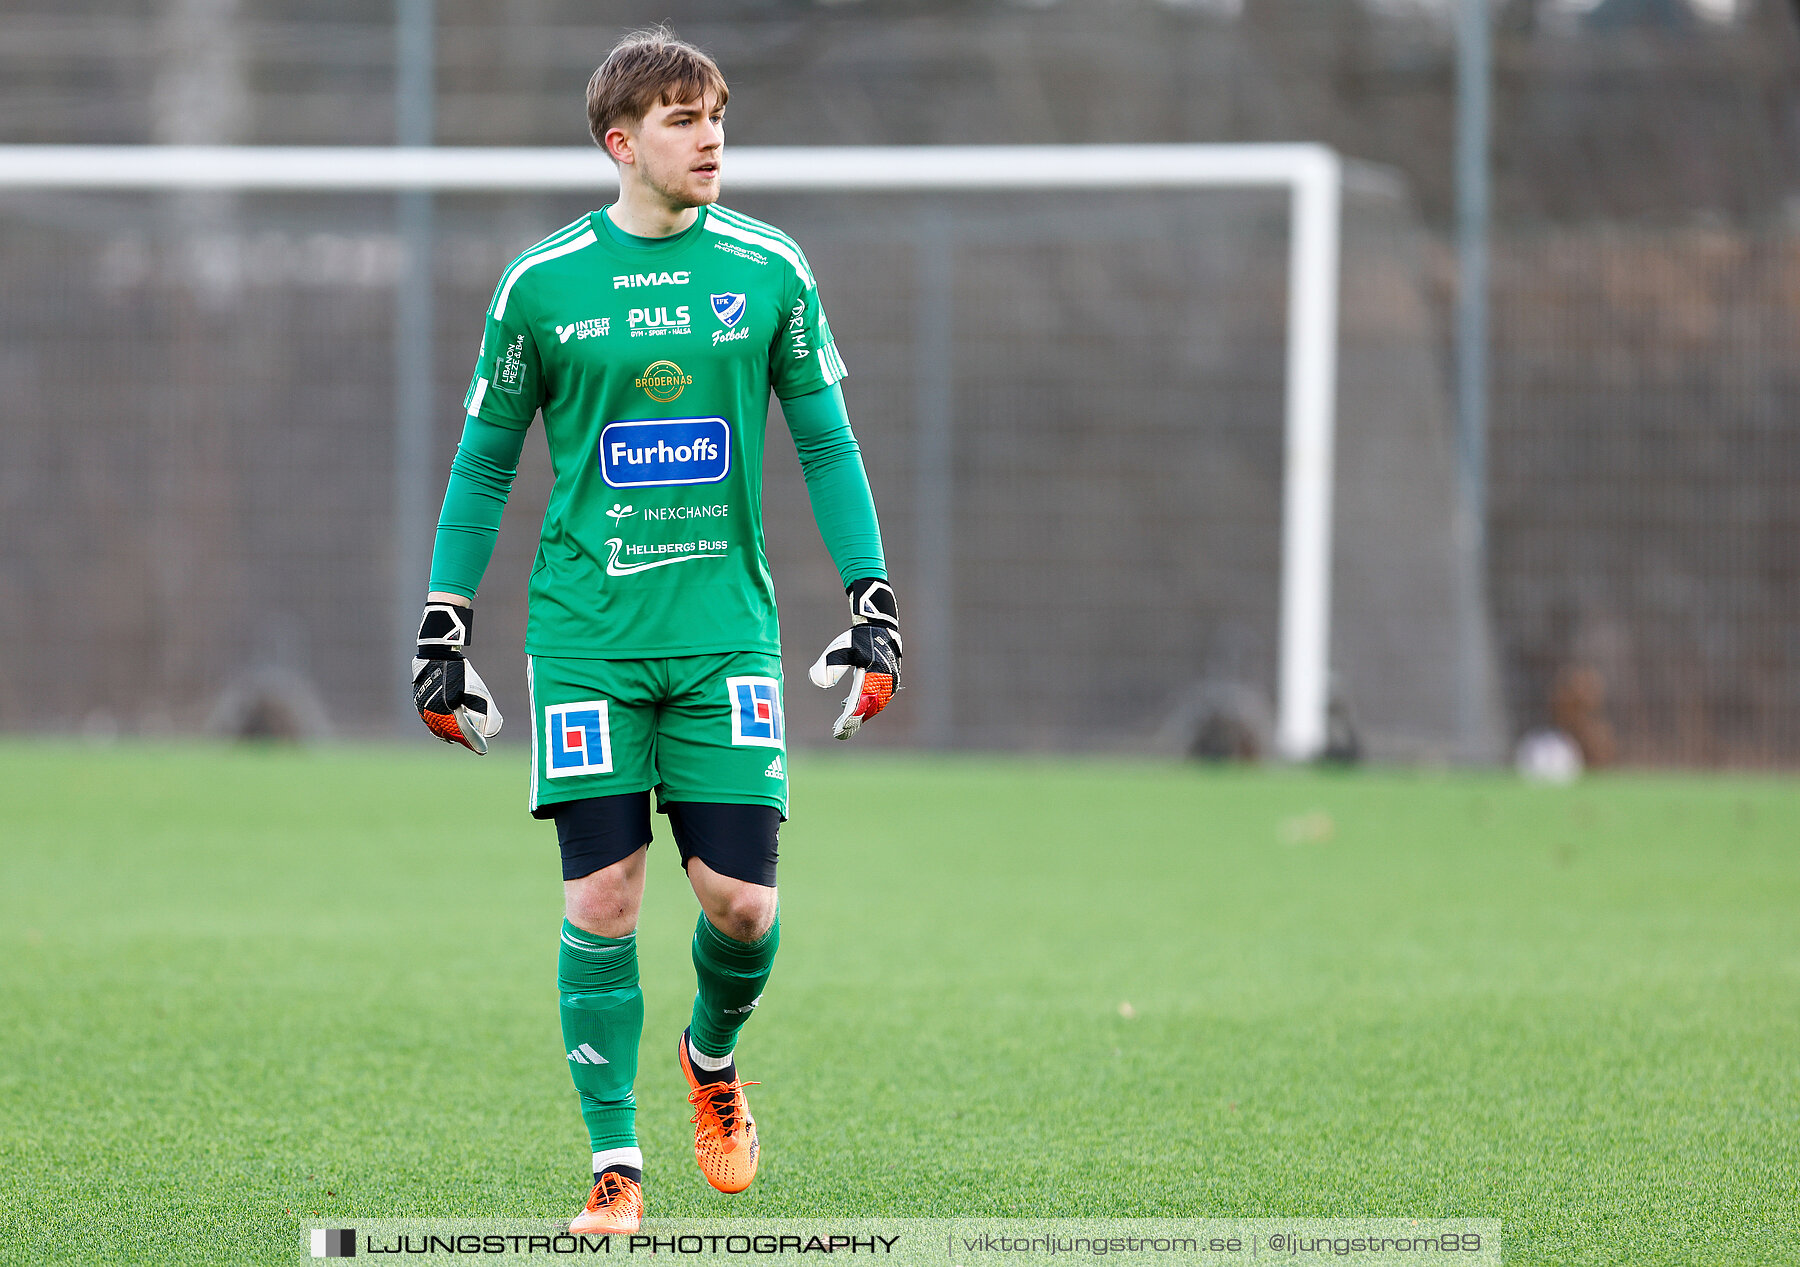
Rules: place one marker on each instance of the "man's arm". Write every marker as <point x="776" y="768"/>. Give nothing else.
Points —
<point x="842" y="504"/>
<point x="845" y="510"/>
<point x="481" y="479"/>
<point x="453" y="701"/>
<point x="504" y="394"/>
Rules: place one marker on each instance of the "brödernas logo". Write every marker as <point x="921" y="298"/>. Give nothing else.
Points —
<point x="663" y="381"/>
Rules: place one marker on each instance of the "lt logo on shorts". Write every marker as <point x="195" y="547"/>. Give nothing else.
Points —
<point x="755" y="711"/>
<point x="579" y="739"/>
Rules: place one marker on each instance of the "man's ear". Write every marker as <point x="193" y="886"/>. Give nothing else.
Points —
<point x="620" y="145"/>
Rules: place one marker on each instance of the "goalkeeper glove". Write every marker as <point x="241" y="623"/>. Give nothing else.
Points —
<point x="453" y="701"/>
<point x="869" y="650"/>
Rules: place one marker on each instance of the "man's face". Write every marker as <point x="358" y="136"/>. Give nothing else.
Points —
<point x="677" y="150"/>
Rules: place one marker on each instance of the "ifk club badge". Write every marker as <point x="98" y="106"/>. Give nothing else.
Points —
<point x="729" y="309"/>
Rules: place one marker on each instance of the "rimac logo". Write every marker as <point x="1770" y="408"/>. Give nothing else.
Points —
<point x="629" y="281"/>
<point x="662" y="452"/>
<point x="755" y="712"/>
<point x="591" y="329"/>
<point x="578" y="739"/>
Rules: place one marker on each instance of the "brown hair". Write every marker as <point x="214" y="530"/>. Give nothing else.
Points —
<point x="648" y="68"/>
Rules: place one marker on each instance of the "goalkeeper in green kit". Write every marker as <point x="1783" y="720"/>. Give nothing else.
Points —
<point x="649" y="334"/>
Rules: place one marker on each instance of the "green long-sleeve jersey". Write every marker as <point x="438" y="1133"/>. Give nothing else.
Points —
<point x="652" y="361"/>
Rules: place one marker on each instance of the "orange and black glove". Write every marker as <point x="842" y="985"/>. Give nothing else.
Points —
<point x="869" y="651"/>
<point x="453" y="701"/>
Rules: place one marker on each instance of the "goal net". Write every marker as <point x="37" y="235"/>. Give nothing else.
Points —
<point x="1094" y="389"/>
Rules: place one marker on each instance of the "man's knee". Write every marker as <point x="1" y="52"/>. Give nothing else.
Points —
<point x="607" y="901"/>
<point x="603" y="839"/>
<point x="606" y="913"/>
<point x="743" y="912"/>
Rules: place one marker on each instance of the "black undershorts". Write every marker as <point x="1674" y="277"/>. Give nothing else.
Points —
<point x="735" y="840"/>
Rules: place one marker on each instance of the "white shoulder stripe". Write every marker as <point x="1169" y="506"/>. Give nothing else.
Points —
<point x="555" y="239"/>
<point x="481" y="386"/>
<point x="755" y="226"/>
<point x="586" y="239"/>
<point x="536" y="723"/>
<point x="717" y="224"/>
<point x="761" y="229"/>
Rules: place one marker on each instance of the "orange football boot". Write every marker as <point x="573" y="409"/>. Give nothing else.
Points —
<point x="725" y="1141"/>
<point x="616" y="1205"/>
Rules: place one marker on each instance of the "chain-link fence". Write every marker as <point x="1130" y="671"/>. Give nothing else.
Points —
<point x="196" y="452"/>
<point x="1071" y="409"/>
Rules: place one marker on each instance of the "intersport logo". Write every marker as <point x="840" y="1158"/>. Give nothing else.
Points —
<point x="594" y="328"/>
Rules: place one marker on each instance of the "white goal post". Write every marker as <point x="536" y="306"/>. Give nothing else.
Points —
<point x="1310" y="173"/>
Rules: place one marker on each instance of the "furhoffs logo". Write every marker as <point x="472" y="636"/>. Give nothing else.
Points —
<point x="665" y="451"/>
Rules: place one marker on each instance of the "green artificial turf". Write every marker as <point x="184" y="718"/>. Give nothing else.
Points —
<point x="239" y="988"/>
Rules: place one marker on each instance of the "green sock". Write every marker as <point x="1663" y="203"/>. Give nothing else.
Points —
<point x="732" y="975"/>
<point x="602" y="1020"/>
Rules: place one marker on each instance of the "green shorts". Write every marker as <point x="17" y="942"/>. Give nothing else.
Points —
<point x="695" y="728"/>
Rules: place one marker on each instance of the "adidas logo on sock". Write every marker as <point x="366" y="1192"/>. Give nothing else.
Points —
<point x="585" y="1055"/>
<point x="775" y="770"/>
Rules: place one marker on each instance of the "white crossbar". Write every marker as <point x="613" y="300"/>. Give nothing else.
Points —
<point x="788" y="167"/>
